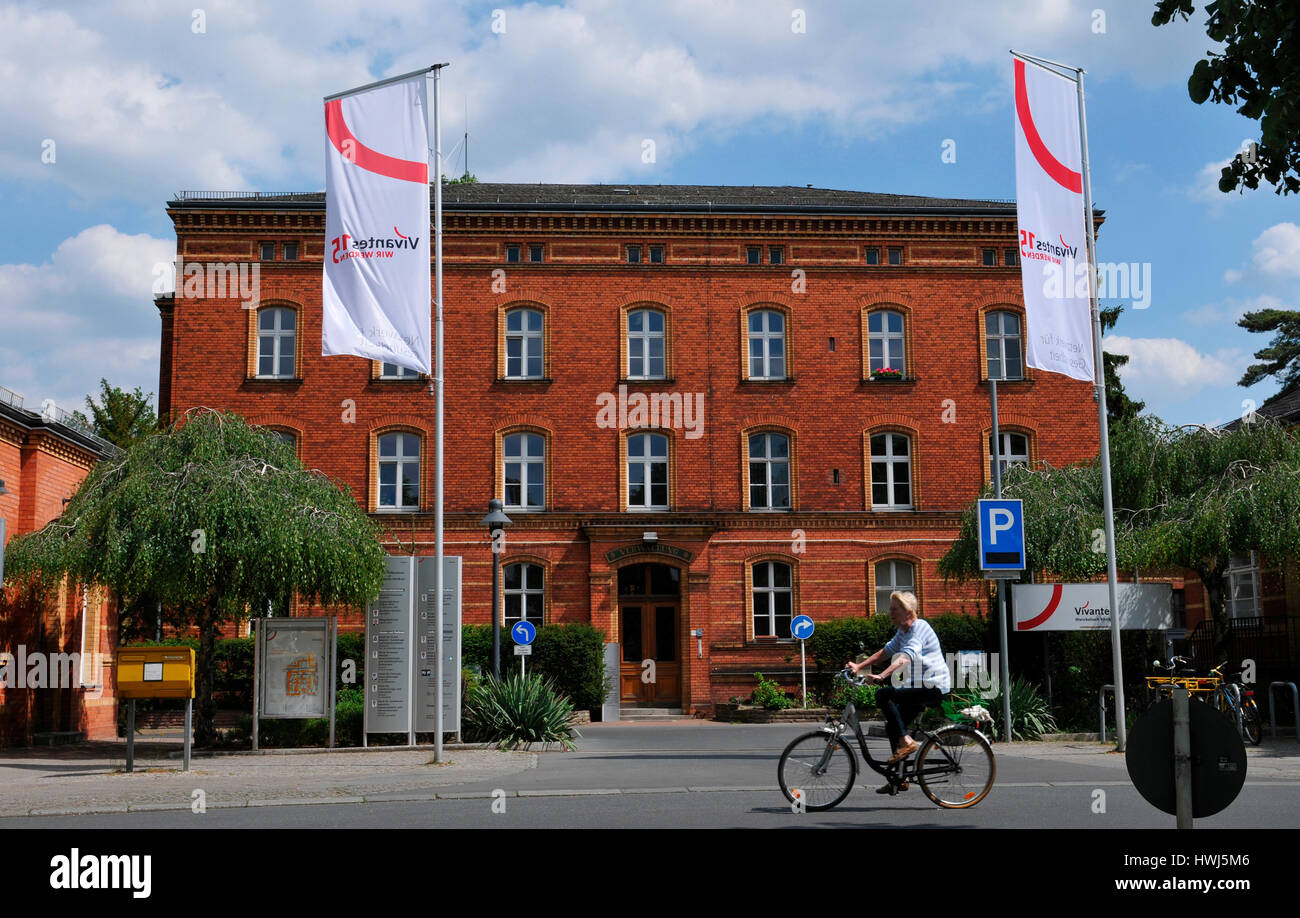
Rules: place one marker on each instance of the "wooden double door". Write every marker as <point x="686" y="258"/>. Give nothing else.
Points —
<point x="649" y="613"/>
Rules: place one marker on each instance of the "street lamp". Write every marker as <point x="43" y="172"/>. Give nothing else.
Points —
<point x="496" y="522"/>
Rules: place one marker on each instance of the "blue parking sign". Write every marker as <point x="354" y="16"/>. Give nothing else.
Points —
<point x="1002" y="535"/>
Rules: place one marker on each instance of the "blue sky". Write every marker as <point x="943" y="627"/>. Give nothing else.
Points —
<point x="146" y="98"/>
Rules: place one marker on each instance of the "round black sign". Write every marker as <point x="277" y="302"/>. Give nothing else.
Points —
<point x="1218" y="758"/>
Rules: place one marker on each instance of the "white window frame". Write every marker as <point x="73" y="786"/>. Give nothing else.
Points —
<point x="764" y="337"/>
<point x="769" y="594"/>
<point x="1007" y="456"/>
<point x="647" y="462"/>
<point x="885" y="336"/>
<point x="399" y="462"/>
<point x="645" y="336"/>
<point x="523" y="592"/>
<point x="278" y="335"/>
<point x="1242" y="570"/>
<point x="890" y="461"/>
<point x="530" y="343"/>
<point x="394" y="371"/>
<point x="532" y="470"/>
<point x="1000" y="337"/>
<point x="892" y="584"/>
<point x="767" y="462"/>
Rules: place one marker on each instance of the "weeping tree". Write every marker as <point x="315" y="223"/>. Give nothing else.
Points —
<point x="1184" y="497"/>
<point x="212" y="517"/>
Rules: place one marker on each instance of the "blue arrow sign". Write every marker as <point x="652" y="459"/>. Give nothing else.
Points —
<point x="1002" y="535"/>
<point x="802" y="627"/>
<point x="523" y="633"/>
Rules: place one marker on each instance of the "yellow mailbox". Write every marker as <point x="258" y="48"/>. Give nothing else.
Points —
<point x="155" y="672"/>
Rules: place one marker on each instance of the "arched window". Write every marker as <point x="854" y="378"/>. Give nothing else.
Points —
<point x="772" y="599"/>
<point x="886" y="341"/>
<point x="766" y="344"/>
<point x="276" y="333"/>
<point x="524" y="594"/>
<point x="1013" y="449"/>
<point x="1005" y="349"/>
<point x="646" y="344"/>
<point x="524" y="485"/>
<point x="399" y="471"/>
<point x="893" y="575"/>
<point x="769" y="471"/>
<point x="524" y="344"/>
<point x="891" y="472"/>
<point x="647" y="472"/>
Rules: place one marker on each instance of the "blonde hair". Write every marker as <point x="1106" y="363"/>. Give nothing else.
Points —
<point x="907" y="600"/>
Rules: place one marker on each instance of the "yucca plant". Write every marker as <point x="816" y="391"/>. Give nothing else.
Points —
<point x="518" y="711"/>
<point x="1030" y="715"/>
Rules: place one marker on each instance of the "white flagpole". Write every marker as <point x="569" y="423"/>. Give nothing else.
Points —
<point x="438" y="381"/>
<point x="1108" y="508"/>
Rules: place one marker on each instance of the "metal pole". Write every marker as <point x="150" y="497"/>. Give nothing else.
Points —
<point x="412" y="669"/>
<point x="496" y="608"/>
<point x="1108" y="509"/>
<point x="189" y="724"/>
<point x="130" y="735"/>
<point x="2" y="550"/>
<point x="1182" y="759"/>
<point x="438" y="411"/>
<point x="803" y="666"/>
<point x="1005" y="668"/>
<point x="257" y="677"/>
<point x="334" y="647"/>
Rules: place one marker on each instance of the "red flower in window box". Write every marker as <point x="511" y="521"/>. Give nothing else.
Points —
<point x="887" y="373"/>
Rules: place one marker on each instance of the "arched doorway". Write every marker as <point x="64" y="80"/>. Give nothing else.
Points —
<point x="649" y="617"/>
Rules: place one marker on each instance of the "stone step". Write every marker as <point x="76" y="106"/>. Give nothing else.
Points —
<point x="648" y="713"/>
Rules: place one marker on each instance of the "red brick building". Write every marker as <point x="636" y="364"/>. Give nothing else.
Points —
<point x="45" y="692"/>
<point x="675" y="389"/>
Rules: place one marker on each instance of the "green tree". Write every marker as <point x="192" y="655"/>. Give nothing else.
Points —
<point x="1259" y="67"/>
<point x="1185" y="497"/>
<point x="1118" y="405"/>
<point x="212" y="517"/>
<point x="1282" y="356"/>
<point x="122" y="418"/>
<point x="467" y="179"/>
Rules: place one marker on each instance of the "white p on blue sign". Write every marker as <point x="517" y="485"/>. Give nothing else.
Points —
<point x="1002" y="535"/>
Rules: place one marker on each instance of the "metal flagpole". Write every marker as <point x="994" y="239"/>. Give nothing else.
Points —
<point x="438" y="381"/>
<point x="1117" y="661"/>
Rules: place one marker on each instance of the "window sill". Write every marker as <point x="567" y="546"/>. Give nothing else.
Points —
<point x="643" y="380"/>
<point x="761" y="381"/>
<point x="535" y="380"/>
<point x="772" y="510"/>
<point x="886" y="509"/>
<point x="402" y="379"/>
<point x="890" y="380"/>
<point x="1024" y="380"/>
<point x="647" y="510"/>
<point x="273" y="379"/>
<point x="396" y="511"/>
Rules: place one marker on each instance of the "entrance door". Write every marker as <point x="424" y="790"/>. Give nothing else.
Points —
<point x="649" y="622"/>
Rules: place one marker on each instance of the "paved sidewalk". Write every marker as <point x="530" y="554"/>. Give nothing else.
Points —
<point x="1273" y="760"/>
<point x="89" y="778"/>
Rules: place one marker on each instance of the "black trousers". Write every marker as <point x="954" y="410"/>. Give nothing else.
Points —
<point x="900" y="705"/>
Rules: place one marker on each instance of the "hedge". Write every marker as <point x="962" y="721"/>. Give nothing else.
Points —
<point x="571" y="655"/>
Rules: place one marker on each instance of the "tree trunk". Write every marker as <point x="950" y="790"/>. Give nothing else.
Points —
<point x="1212" y="580"/>
<point x="205" y="731"/>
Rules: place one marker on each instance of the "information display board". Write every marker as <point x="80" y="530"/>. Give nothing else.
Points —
<point x="388" y="650"/>
<point x="1086" y="606"/>
<point x="295" y="657"/>
<point x="426" y="664"/>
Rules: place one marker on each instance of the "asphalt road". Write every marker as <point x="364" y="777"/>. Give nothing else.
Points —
<point x="698" y="775"/>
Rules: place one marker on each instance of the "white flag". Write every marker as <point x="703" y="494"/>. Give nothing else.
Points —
<point x="1050" y="211"/>
<point x="376" y="290"/>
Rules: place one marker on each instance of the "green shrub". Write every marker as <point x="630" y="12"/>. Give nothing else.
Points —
<point x="770" y="695"/>
<point x="518" y="711"/>
<point x="1030" y="715"/>
<point x="864" y="696"/>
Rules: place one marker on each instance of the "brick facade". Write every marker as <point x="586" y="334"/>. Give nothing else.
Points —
<point x="828" y="407"/>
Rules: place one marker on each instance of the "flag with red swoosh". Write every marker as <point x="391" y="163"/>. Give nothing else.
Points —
<point x="376" y="292"/>
<point x="1050" y="213"/>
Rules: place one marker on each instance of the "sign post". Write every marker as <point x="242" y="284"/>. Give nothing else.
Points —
<point x="1001" y="525"/>
<point x="802" y="627"/>
<point x="524" y="633"/>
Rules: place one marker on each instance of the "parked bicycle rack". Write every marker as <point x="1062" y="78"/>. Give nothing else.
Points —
<point x="1236" y="702"/>
<point x="1101" y="703"/>
<point x="1295" y="706"/>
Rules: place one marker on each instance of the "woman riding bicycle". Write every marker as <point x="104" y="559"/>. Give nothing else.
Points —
<point x="916" y="647"/>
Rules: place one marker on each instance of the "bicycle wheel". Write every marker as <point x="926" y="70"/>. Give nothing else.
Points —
<point x="955" y="767"/>
<point x="1251" y="727"/>
<point x="823" y="776"/>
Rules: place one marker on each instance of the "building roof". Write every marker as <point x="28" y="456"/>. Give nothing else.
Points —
<point x="1283" y="407"/>
<point x="498" y="196"/>
<point x="58" y="422"/>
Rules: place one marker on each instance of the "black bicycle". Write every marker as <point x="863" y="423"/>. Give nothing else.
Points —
<point x="954" y="766"/>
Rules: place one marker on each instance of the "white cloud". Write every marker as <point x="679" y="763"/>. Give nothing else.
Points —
<point x="87" y="312"/>
<point x="1277" y="251"/>
<point x="1176" y="380"/>
<point x="1227" y="311"/>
